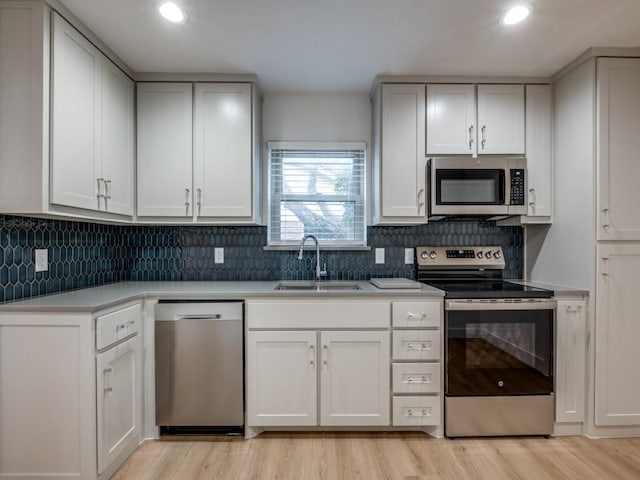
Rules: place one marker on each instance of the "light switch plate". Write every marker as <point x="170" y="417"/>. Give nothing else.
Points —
<point x="218" y="255"/>
<point x="42" y="260"/>
<point x="408" y="256"/>
<point x="379" y="255"/>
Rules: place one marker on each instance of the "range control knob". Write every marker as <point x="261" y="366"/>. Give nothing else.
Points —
<point x="424" y="255"/>
<point x="488" y="254"/>
<point x="497" y="254"/>
<point x="480" y="254"/>
<point x="432" y="254"/>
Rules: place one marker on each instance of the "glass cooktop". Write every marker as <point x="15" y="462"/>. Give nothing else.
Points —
<point x="476" y="288"/>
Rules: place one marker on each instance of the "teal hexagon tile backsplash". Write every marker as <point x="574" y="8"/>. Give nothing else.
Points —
<point x="87" y="254"/>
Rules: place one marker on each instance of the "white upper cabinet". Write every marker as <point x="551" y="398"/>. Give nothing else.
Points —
<point x="165" y="150"/>
<point x="501" y="119"/>
<point x="118" y="143"/>
<point x="451" y="119"/>
<point x="92" y="126"/>
<point x="197" y="152"/>
<point x="538" y="151"/>
<point x="399" y="155"/>
<point x="223" y="172"/>
<point x="618" y="127"/>
<point x="76" y="103"/>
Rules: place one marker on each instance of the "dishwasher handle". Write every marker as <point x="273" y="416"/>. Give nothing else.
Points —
<point x="216" y="316"/>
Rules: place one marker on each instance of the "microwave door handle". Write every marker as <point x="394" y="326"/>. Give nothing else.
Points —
<point x="501" y="187"/>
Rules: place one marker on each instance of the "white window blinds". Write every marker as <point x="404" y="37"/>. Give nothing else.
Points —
<point x="317" y="190"/>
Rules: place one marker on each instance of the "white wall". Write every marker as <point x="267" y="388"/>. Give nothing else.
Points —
<point x="564" y="252"/>
<point x="317" y="117"/>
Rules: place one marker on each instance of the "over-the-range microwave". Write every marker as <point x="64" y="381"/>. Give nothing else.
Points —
<point x="486" y="186"/>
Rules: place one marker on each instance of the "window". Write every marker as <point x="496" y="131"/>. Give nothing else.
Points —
<point x="317" y="189"/>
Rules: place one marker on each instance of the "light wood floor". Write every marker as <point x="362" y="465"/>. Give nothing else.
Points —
<point x="408" y="456"/>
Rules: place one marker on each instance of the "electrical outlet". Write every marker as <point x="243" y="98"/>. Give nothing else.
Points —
<point x="42" y="260"/>
<point x="218" y="255"/>
<point x="408" y="256"/>
<point x="379" y="255"/>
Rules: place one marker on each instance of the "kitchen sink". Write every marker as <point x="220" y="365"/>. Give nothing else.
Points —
<point x="303" y="285"/>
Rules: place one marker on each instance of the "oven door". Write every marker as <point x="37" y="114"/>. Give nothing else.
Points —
<point x="499" y="347"/>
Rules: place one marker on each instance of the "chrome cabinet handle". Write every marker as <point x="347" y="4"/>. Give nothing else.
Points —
<point x="605" y="272"/>
<point x="416" y="316"/>
<point x="326" y="355"/>
<point x="420" y="199"/>
<point x="532" y="191"/>
<point x="107" y="189"/>
<point x="199" y="191"/>
<point x="605" y="218"/>
<point x="107" y="372"/>
<point x="471" y="137"/>
<point x="484" y="138"/>
<point x="99" y="195"/>
<point x="313" y="355"/>
<point x="186" y="200"/>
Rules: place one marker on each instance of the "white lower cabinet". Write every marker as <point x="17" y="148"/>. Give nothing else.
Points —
<point x="69" y="409"/>
<point x="417" y="370"/>
<point x="317" y="362"/>
<point x="119" y="396"/>
<point x="354" y="382"/>
<point x="617" y="382"/>
<point x="571" y="360"/>
<point x="281" y="378"/>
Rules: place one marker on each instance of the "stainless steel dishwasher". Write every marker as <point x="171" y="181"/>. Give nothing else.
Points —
<point x="199" y="366"/>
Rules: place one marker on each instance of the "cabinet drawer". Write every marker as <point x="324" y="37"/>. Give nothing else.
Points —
<point x="416" y="345"/>
<point x="416" y="377"/>
<point x="416" y="314"/>
<point x="421" y="410"/>
<point x="117" y="325"/>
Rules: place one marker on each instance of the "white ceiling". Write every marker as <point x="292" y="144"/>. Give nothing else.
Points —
<point x="341" y="45"/>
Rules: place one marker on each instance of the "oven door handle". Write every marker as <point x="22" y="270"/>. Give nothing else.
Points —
<point x="500" y="305"/>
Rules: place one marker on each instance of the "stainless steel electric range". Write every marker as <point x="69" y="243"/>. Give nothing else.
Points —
<point x="498" y="344"/>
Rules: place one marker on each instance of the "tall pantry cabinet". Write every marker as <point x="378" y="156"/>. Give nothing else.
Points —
<point x="594" y="242"/>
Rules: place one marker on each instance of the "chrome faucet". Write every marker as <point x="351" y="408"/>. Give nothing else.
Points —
<point x="319" y="273"/>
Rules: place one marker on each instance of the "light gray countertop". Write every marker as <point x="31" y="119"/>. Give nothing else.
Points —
<point x="97" y="298"/>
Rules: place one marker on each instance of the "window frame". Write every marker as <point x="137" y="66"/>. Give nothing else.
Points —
<point x="361" y="200"/>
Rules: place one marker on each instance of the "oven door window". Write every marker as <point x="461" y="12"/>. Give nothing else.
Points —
<point x="470" y="187"/>
<point x="491" y="352"/>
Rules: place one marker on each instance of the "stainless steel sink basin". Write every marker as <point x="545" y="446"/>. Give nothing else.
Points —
<point x="303" y="285"/>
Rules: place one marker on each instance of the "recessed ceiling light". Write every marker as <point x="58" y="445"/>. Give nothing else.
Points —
<point x="516" y="14"/>
<point x="172" y="12"/>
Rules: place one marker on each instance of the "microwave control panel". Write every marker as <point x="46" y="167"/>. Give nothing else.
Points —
<point x="517" y="187"/>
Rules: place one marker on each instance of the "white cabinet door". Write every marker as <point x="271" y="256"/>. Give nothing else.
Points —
<point x="223" y="164"/>
<point x="538" y="151"/>
<point x="501" y="119"/>
<point x="281" y="378"/>
<point x="618" y="127"/>
<point x="571" y="358"/>
<point x="617" y="332"/>
<point x="165" y="164"/>
<point x="403" y="161"/>
<point x="451" y="119"/>
<point x="76" y="87"/>
<point x="117" y="140"/>
<point x="355" y="380"/>
<point x="119" y="400"/>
